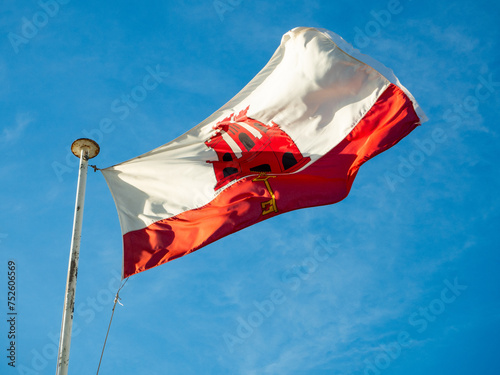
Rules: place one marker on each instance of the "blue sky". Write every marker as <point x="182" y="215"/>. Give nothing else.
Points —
<point x="399" y="278"/>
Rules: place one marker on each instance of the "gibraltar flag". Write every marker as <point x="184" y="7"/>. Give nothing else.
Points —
<point x="294" y="137"/>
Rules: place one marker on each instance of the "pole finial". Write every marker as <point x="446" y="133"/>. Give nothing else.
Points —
<point x="85" y="143"/>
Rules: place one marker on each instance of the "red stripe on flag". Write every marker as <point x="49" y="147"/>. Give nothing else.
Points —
<point x="326" y="181"/>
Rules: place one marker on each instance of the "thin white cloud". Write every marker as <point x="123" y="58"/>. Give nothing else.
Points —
<point x="13" y="133"/>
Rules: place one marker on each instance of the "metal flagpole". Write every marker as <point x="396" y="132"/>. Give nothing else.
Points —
<point x="84" y="149"/>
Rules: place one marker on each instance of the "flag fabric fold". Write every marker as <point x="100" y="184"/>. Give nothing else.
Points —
<point x="294" y="137"/>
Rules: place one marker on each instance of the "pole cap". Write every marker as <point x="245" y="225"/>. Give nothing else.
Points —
<point x="85" y="143"/>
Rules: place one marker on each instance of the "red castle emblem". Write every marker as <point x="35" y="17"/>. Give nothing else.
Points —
<point x="245" y="146"/>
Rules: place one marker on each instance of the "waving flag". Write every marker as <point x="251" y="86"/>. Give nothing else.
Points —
<point x="294" y="137"/>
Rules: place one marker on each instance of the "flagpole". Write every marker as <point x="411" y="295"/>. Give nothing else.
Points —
<point x="84" y="149"/>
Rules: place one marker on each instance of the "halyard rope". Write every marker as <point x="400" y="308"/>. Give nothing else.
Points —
<point x="117" y="299"/>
